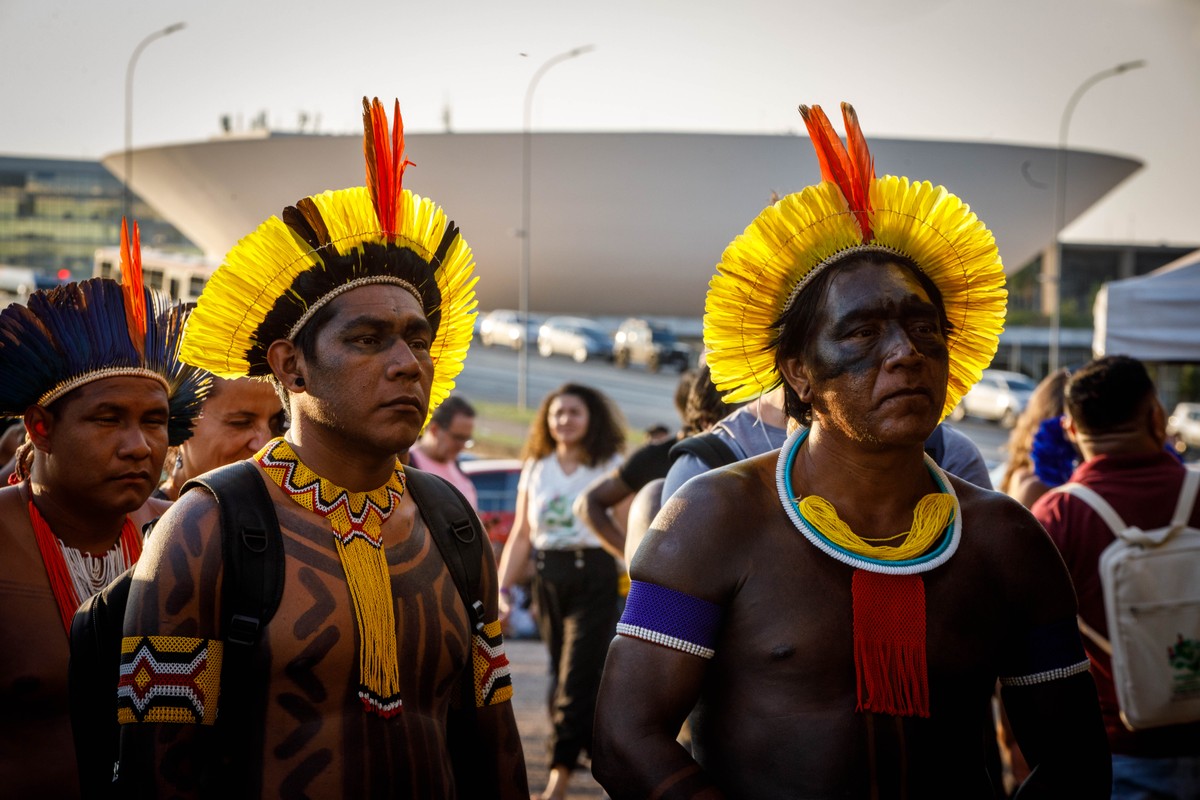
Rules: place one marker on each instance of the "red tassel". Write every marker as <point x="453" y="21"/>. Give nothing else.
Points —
<point x="889" y="644"/>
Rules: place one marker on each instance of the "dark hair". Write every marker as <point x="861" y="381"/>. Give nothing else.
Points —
<point x="1108" y="392"/>
<point x="1045" y="403"/>
<point x="450" y="408"/>
<point x="705" y="407"/>
<point x="796" y="328"/>
<point x="605" y="435"/>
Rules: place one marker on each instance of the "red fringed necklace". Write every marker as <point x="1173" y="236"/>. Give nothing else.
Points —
<point x="68" y="582"/>
<point x="888" y="595"/>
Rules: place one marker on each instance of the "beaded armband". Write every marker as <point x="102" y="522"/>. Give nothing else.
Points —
<point x="169" y="679"/>
<point x="670" y="618"/>
<point x="493" y="682"/>
<point x="1050" y="652"/>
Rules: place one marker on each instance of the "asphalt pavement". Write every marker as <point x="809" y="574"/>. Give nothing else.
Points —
<point x="530" y="665"/>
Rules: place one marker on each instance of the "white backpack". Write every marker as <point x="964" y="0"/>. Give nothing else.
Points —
<point x="1151" y="583"/>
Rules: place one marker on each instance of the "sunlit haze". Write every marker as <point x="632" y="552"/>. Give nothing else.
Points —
<point x="927" y="69"/>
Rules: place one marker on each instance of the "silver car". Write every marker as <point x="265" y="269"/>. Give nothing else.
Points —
<point x="999" y="396"/>
<point x="579" y="338"/>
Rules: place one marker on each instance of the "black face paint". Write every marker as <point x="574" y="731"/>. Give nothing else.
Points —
<point x="861" y="321"/>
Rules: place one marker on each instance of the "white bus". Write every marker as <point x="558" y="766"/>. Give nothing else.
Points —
<point x="181" y="277"/>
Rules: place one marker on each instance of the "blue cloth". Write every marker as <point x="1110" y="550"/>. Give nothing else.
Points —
<point x="1138" y="778"/>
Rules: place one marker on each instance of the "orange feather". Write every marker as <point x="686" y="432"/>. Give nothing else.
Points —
<point x="831" y="155"/>
<point x="133" y="286"/>
<point x="385" y="161"/>
<point x="862" y="169"/>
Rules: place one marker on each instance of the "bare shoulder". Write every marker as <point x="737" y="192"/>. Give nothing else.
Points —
<point x="13" y="513"/>
<point x="705" y="535"/>
<point x="1005" y="536"/>
<point x="189" y="526"/>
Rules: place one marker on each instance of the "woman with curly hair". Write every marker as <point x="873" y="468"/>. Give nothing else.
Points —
<point x="576" y="437"/>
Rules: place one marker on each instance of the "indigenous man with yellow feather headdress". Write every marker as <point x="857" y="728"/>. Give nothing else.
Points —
<point x="358" y="304"/>
<point x="838" y="611"/>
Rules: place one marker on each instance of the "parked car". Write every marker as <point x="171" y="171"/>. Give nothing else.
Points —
<point x="579" y="338"/>
<point x="503" y="327"/>
<point x="640" y="342"/>
<point x="1184" y="424"/>
<point x="999" y="396"/>
<point x="495" y="482"/>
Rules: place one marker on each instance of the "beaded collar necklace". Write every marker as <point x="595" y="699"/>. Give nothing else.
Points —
<point x="888" y="598"/>
<point x="74" y="575"/>
<point x="945" y="548"/>
<point x="357" y="520"/>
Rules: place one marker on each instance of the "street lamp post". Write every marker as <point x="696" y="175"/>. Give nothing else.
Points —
<point x="1053" y="283"/>
<point x="526" y="239"/>
<point x="126" y="200"/>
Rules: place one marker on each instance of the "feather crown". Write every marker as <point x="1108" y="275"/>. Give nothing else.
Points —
<point x="766" y="267"/>
<point x="77" y="333"/>
<point x="276" y="278"/>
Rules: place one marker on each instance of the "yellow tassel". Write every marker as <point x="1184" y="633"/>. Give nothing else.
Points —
<point x="371" y="590"/>
<point x="931" y="516"/>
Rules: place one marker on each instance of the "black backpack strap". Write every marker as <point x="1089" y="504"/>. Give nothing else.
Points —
<point x="456" y="531"/>
<point x="708" y="447"/>
<point x="459" y="537"/>
<point x="252" y="547"/>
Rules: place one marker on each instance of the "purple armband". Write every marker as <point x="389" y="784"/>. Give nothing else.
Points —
<point x="1049" y="652"/>
<point x="672" y="619"/>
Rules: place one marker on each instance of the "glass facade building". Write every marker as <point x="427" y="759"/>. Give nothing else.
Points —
<point x="55" y="213"/>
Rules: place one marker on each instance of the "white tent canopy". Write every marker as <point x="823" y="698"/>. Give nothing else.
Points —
<point x="1154" y="317"/>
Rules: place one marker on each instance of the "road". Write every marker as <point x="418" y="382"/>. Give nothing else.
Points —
<point x="490" y="374"/>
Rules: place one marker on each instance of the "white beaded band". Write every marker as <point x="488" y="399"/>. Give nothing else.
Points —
<point x="100" y="374"/>
<point x="683" y="645"/>
<point x="1047" y="676"/>
<point x="345" y="287"/>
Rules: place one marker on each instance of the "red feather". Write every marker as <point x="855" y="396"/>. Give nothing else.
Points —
<point x="862" y="170"/>
<point x="853" y="170"/>
<point x="132" y="285"/>
<point x="385" y="161"/>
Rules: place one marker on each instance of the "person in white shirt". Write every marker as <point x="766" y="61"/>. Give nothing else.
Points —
<point x="448" y="433"/>
<point x="576" y="437"/>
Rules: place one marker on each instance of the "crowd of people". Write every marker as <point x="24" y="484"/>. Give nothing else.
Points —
<point x="809" y="589"/>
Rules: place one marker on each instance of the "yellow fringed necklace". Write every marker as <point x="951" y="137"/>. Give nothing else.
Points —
<point x="357" y="519"/>
<point x="934" y="512"/>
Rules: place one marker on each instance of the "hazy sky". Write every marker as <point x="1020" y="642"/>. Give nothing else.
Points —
<point x="997" y="70"/>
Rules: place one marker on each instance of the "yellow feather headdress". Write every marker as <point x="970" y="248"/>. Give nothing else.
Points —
<point x="275" y="279"/>
<point x="766" y="267"/>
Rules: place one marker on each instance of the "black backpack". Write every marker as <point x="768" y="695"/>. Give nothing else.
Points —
<point x="708" y="447"/>
<point x="252" y="547"/>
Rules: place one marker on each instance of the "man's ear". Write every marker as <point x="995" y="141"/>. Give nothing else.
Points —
<point x="288" y="365"/>
<point x="796" y="375"/>
<point x="38" y="424"/>
<point x="1069" y="429"/>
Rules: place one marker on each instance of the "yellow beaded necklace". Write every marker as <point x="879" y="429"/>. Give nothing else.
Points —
<point x="357" y="519"/>
<point x="931" y="516"/>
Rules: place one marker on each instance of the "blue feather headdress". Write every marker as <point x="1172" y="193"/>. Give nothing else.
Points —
<point x="81" y="332"/>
